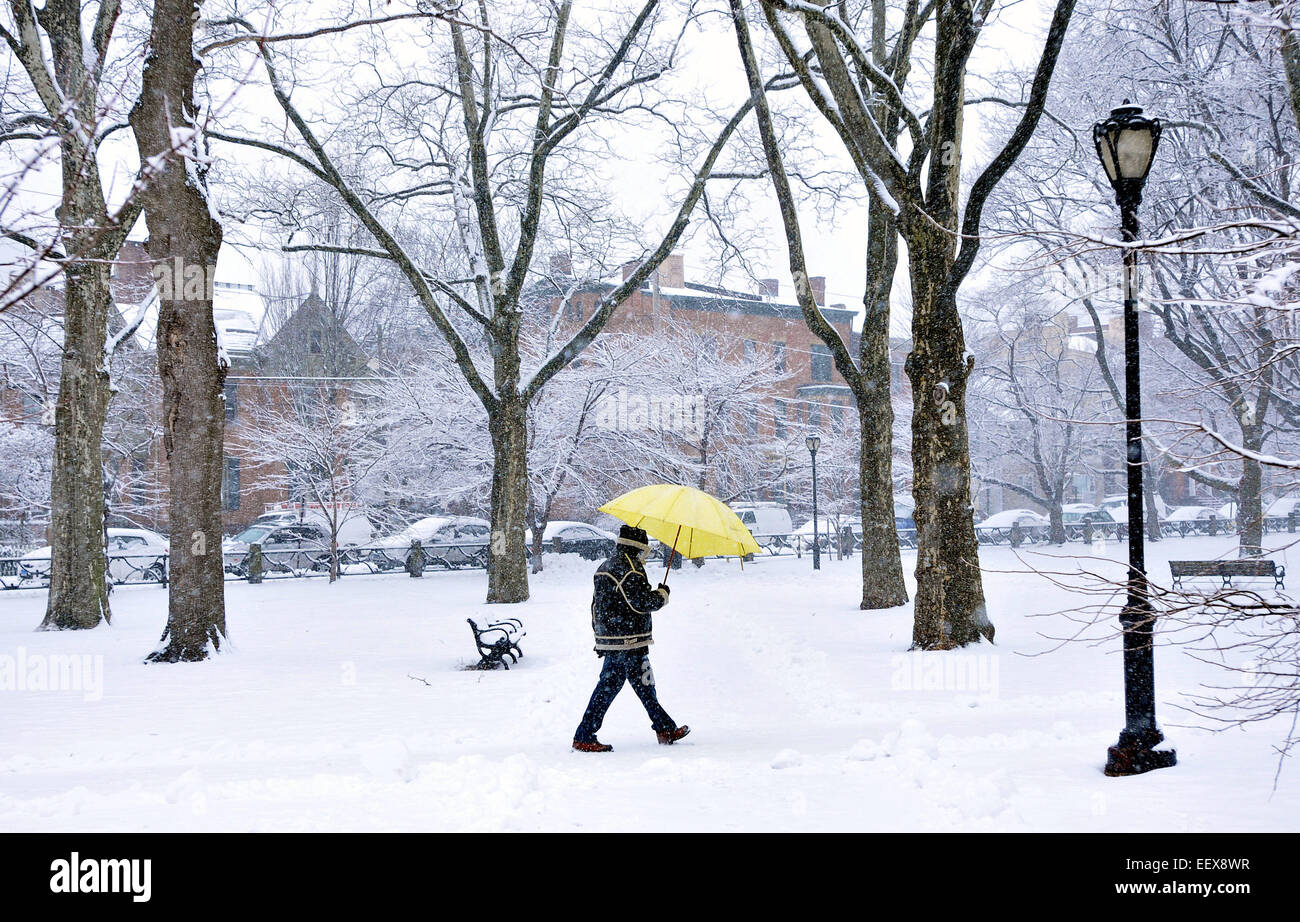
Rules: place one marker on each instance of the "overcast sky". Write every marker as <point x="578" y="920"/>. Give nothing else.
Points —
<point x="835" y="239"/>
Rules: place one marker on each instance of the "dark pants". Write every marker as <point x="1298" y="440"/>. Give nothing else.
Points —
<point x="633" y="667"/>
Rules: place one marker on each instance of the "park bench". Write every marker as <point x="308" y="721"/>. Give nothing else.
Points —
<point x="1226" y="570"/>
<point x="500" y="639"/>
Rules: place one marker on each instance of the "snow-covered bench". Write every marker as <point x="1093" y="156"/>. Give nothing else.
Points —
<point x="500" y="639"/>
<point x="1226" y="570"/>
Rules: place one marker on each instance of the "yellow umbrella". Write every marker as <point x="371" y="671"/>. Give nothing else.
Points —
<point x="694" y="523"/>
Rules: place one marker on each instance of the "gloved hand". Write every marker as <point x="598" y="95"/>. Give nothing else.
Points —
<point x="664" y="587"/>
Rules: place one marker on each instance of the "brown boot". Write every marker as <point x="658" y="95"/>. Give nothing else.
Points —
<point x="672" y="736"/>
<point x="593" y="746"/>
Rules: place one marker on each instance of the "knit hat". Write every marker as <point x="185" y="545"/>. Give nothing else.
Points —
<point x="634" y="537"/>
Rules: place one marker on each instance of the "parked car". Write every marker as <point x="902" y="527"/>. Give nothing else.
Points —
<point x="802" y="538"/>
<point x="996" y="529"/>
<point x="1117" y="506"/>
<point x="285" y="546"/>
<point x="134" y="555"/>
<point x="1281" y="508"/>
<point x="904" y="524"/>
<point x="1190" y="520"/>
<point x="590" y="542"/>
<point x="769" y="523"/>
<point x="355" y="529"/>
<point x="1078" y="513"/>
<point x="1078" y="516"/>
<point x="449" y="541"/>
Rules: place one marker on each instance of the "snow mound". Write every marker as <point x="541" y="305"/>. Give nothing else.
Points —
<point x="911" y="741"/>
<point x="787" y="758"/>
<point x="388" y="759"/>
<point x="866" y="751"/>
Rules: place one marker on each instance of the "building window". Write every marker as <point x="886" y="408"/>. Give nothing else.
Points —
<point x="821" y="363"/>
<point x="230" y="485"/>
<point x="778" y="350"/>
<point x="780" y="419"/>
<point x="232" y="401"/>
<point x="317" y="344"/>
<point x="837" y="418"/>
<point x="814" y="416"/>
<point x="33" y="408"/>
<point x="749" y="351"/>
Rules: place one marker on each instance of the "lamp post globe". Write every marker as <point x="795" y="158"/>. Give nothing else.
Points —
<point x="1126" y="143"/>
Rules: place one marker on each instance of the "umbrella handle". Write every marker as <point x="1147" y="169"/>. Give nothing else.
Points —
<point x="672" y="554"/>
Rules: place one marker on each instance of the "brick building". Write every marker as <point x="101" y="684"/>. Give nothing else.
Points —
<point x="815" y="394"/>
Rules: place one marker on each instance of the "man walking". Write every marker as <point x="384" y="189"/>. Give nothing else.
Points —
<point x="620" y="617"/>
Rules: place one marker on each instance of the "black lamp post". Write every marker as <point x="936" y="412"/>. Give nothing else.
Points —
<point x="814" y="442"/>
<point x="1126" y="144"/>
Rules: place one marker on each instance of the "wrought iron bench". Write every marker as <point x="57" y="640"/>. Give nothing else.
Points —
<point x="496" y="642"/>
<point x="1226" y="570"/>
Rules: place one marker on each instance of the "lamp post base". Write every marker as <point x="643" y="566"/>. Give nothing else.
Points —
<point x="1134" y="754"/>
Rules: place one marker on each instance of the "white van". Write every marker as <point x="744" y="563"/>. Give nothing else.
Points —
<point x="765" y="521"/>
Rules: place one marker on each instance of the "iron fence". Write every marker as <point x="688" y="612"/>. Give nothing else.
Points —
<point x="22" y="569"/>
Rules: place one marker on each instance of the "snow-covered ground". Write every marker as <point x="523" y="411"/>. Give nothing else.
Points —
<point x="807" y="714"/>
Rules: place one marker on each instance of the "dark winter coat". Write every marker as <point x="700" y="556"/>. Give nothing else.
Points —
<point x="622" y="603"/>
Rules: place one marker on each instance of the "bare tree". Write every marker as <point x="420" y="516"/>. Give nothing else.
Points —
<point x="1039" y="400"/>
<point x="1217" y="198"/>
<point x="868" y="376"/>
<point x="75" y="103"/>
<point x="322" y="441"/>
<point x="184" y="240"/>
<point x="496" y="125"/>
<point x="710" y="419"/>
<point x="839" y="72"/>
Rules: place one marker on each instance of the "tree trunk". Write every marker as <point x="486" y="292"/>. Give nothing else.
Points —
<point x="537" y="519"/>
<point x="882" y="564"/>
<point x="184" y="241"/>
<point x="507" y="562"/>
<point x="537" y="546"/>
<point x="1250" y="504"/>
<point x="949" y="610"/>
<point x="78" y="596"/>
<point x="1056" y="528"/>
<point x="1152" y="519"/>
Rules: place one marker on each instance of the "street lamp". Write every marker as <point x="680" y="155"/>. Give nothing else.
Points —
<point x="1126" y="145"/>
<point x="814" y="442"/>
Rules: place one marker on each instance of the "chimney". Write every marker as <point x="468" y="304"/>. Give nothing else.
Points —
<point x="132" y="276"/>
<point x="562" y="265"/>
<point x="629" y="268"/>
<point x="672" y="273"/>
<point x="769" y="288"/>
<point x="818" y="285"/>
